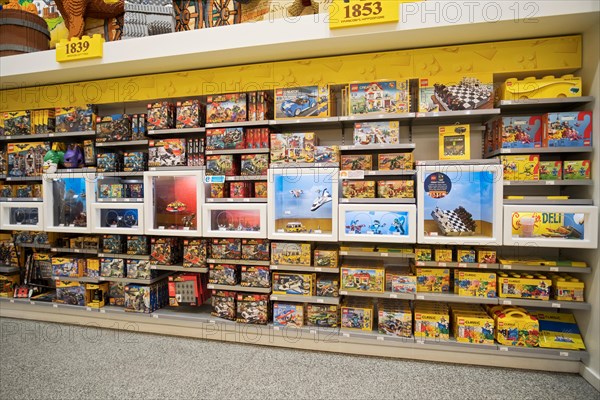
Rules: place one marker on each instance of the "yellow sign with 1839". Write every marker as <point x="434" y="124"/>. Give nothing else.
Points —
<point x="348" y="13"/>
<point x="80" y="49"/>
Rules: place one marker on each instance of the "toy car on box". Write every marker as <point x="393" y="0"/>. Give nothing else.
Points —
<point x="26" y="159"/>
<point x="255" y="276"/>
<point x="327" y="286"/>
<point x="521" y="167"/>
<point x="255" y="249"/>
<point x="113" y="128"/>
<point x="112" y="267"/>
<point x="396" y="189"/>
<point x="222" y="249"/>
<point x="254" y="164"/>
<point x="75" y="119"/>
<point x="164" y="251"/>
<point x="194" y="252"/>
<point x="395" y="161"/>
<point x="166" y="152"/>
<point x="357" y="316"/>
<point x="220" y="165"/>
<point x="72" y="293"/>
<point x="326" y="316"/>
<point x="139" y="269"/>
<point x="288" y="314"/>
<point x="295" y="284"/>
<point x="379" y="97"/>
<point x="160" y="115"/>
<point x="252" y="308"/>
<point x="357" y="162"/>
<point x="394" y="320"/>
<point x="306" y="101"/>
<point x="17" y="123"/>
<point x="224" y="304"/>
<point x="383" y="132"/>
<point x="518" y="286"/>
<point x="545" y="88"/>
<point x="225" y="138"/>
<point x="135" y="161"/>
<point x="226" y="108"/>
<point x="67" y="266"/>
<point x="326" y="258"/>
<point x="223" y="274"/>
<point x="451" y="94"/>
<point x="476" y="284"/>
<point x="551" y="170"/>
<point x="290" y="253"/>
<point x="137" y="245"/>
<point x="577" y="169"/>
<point x="401" y="282"/>
<point x="521" y="132"/>
<point x="433" y="279"/>
<point x="188" y="114"/>
<point x="363" y="279"/>
<point x="184" y="289"/>
<point x="567" y="129"/>
<point x="358" y="189"/>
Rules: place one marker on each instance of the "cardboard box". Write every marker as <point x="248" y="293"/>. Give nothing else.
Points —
<point x="358" y="189"/>
<point x="551" y="170"/>
<point x="521" y="167"/>
<point x="567" y="129"/>
<point x="383" y="132"/>
<point x="577" y="169"/>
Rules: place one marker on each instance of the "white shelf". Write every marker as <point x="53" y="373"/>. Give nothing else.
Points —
<point x="384" y="295"/>
<point x="240" y="124"/>
<point x="75" y="251"/>
<point x="120" y="200"/>
<point x="21" y="199"/>
<point x="377" y="201"/>
<point x="455" y="264"/>
<point x="175" y="131"/>
<point x="124" y="255"/>
<point x="237" y="200"/>
<point x="379" y="147"/>
<point x="550" y="202"/>
<point x="304" y="165"/>
<point x="124" y="174"/>
<point x="376" y="117"/>
<point x="178" y="168"/>
<point x="237" y="151"/>
<point x="305" y="299"/>
<point x="237" y="262"/>
<point x="179" y="268"/>
<point x="123" y="143"/>
<point x="82" y="279"/>
<point x="454" y="298"/>
<point x="23" y="178"/>
<point x="376" y="254"/>
<point x="320" y="122"/>
<point x="77" y="170"/>
<point x="563" y="182"/>
<point x="59" y="135"/>
<point x="299" y="268"/>
<point x="7" y="269"/>
<point x="544" y="268"/>
<point x="463" y="116"/>
<point x="133" y="280"/>
<point x="555" y="304"/>
<point x="238" y="288"/>
<point x="543" y="104"/>
<point x="540" y="150"/>
<point x="23" y="137"/>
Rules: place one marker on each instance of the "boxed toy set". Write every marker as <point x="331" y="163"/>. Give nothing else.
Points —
<point x="226" y="249"/>
<point x="526" y="286"/>
<point x="551" y="170"/>
<point x="435" y="280"/>
<point x="294" y="283"/>
<point x="521" y="167"/>
<point x="225" y="138"/>
<point x="327" y="154"/>
<point x="135" y="161"/>
<point x="255" y="249"/>
<point x="396" y="189"/>
<point x="358" y="189"/>
<point x="400" y="281"/>
<point x="293" y="147"/>
<point x="112" y="267"/>
<point x="252" y="308"/>
<point x="486" y="255"/>
<point x="26" y="159"/>
<point x="395" y="161"/>
<point x="223" y="164"/>
<point x="195" y="152"/>
<point x="577" y="169"/>
<point x="471" y="324"/>
<point x="92" y="267"/>
<point x="164" y="250"/>
<point x="367" y="277"/>
<point x="567" y="129"/>
<point x="112" y="244"/>
<point x="516" y="327"/>
<point x="394" y="318"/>
<point x="321" y="315"/>
<point x="257" y="138"/>
<point x="356" y="162"/>
<point x="226" y="108"/>
<point x="379" y="97"/>
<point x="139" y="269"/>
<point x="189" y="114"/>
<point x="456" y="94"/>
<point x="113" y="128"/>
<point x="326" y="257"/>
<point x="520" y="132"/>
<point x="559" y="331"/>
<point x="240" y="189"/>
<point x="138" y="127"/>
<point x="116" y="294"/>
<point x="224" y="304"/>
<point x="466" y="255"/>
<point x="8" y="284"/>
<point x="358" y="314"/>
<point x="17" y="123"/>
<point x="145" y="298"/>
<point x="254" y="164"/>
<point x="68" y="266"/>
<point x="167" y="152"/>
<point x="194" y="252"/>
<point x="547" y="87"/>
<point x="328" y="286"/>
<point x="75" y="119"/>
<point x="161" y="115"/>
<point x="442" y="254"/>
<point x="109" y="162"/>
<point x="223" y="274"/>
<point x="288" y="314"/>
<point x="186" y="290"/>
<point x="376" y="132"/>
<point x="432" y="321"/>
<point x="96" y="294"/>
<point x="255" y="276"/>
<point x="303" y="102"/>
<point x="43" y="121"/>
<point x="454" y="142"/>
<point x="137" y="245"/>
<point x="567" y="288"/>
<point x="474" y="283"/>
<point x="72" y="293"/>
<point x="283" y="253"/>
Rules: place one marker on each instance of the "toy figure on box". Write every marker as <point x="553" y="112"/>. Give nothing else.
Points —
<point x="26" y="159"/>
<point x="166" y="152"/>
<point x="188" y="114"/>
<point x="226" y="108"/>
<point x="194" y="252"/>
<point x="223" y="304"/>
<point x="225" y="138"/>
<point x="255" y="276"/>
<point x="112" y="128"/>
<point x="160" y="115"/>
<point x="255" y="249"/>
<point x="252" y="308"/>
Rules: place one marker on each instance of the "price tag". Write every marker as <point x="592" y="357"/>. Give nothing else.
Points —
<point x="462" y="265"/>
<point x="12" y="301"/>
<point x="319" y="300"/>
<point x="380" y="338"/>
<point x="154" y="315"/>
<point x="274" y="297"/>
<point x="420" y="264"/>
<point x="32" y="302"/>
<point x="162" y="228"/>
<point x="80" y="49"/>
<point x="550" y="183"/>
<point x="76" y="251"/>
<point x="441" y="264"/>
<point x="554" y="269"/>
<point x="55" y="305"/>
<point x="9" y="199"/>
<point x="345" y="334"/>
<point x="343" y="292"/>
<point x="420" y="297"/>
<point x="318" y="269"/>
<point x="555" y="305"/>
<point x="246" y="200"/>
<point x="186" y="228"/>
<point x="210" y="286"/>
<point x="103" y="311"/>
<point x="210" y="200"/>
<point x="384" y="254"/>
<point x="393" y="296"/>
<point x="274" y="267"/>
<point x="564" y="354"/>
<point x="502" y="348"/>
<point x="506" y="302"/>
<point x="313" y="332"/>
<point x="114" y="200"/>
<point x="506" y="183"/>
<point x="88" y="309"/>
<point x="275" y="328"/>
<point x="483" y="265"/>
<point x="507" y="266"/>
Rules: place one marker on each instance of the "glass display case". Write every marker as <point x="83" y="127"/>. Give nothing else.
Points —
<point x="235" y="220"/>
<point x="551" y="226"/>
<point x="459" y="203"/>
<point x="67" y="200"/>
<point x="117" y="218"/>
<point x="389" y="223"/>
<point x="303" y="204"/>
<point x="21" y="216"/>
<point x="119" y="189"/>
<point x="173" y="202"/>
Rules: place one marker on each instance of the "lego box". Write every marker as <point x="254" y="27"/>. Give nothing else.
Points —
<point x="160" y="115"/>
<point x="383" y="132"/>
<point x="379" y="97"/>
<point x="303" y="102"/>
<point x="358" y="189"/>
<point x="475" y="329"/>
<point x="188" y="114"/>
<point x="357" y="317"/>
<point x="536" y="287"/>
<point x="435" y="280"/>
<point x="326" y="154"/>
<point x="363" y="279"/>
<point x="166" y="152"/>
<point x="254" y="164"/>
<point x="226" y="108"/>
<point x="252" y="308"/>
<point x="326" y="258"/>
<point x="225" y="138"/>
<point x="223" y="249"/>
<point x="477" y="284"/>
<point x="577" y="169"/>
<point x="255" y="276"/>
<point x="396" y="189"/>
<point x="293" y="147"/>
<point x="567" y="129"/>
<point x="255" y="249"/>
<point x="357" y="162"/>
<point x="291" y="253"/>
<point x="322" y="315"/>
<point x="452" y="94"/>
<point x="521" y="167"/>
<point x="294" y="284"/>
<point x="395" y="161"/>
<point x="521" y="132"/>
<point x="220" y="165"/>
<point x="288" y="314"/>
<point x="551" y="170"/>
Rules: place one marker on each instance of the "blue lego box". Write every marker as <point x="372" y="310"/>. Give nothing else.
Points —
<point x="568" y="129"/>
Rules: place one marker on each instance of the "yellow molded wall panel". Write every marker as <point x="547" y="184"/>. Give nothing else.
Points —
<point x="530" y="55"/>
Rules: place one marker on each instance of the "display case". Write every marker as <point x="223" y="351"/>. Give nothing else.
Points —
<point x="551" y="226"/>
<point x="117" y="218"/>
<point x="21" y="216"/>
<point x="389" y="223"/>
<point x="460" y="203"/>
<point x="119" y="189"/>
<point x="235" y="220"/>
<point x="173" y="202"/>
<point x="303" y="204"/>
<point x="67" y="201"/>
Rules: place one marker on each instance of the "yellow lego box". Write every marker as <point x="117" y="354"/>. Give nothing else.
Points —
<point x="357" y="162"/>
<point x="96" y="294"/>
<point x="545" y="88"/>
<point x="477" y="284"/>
<point x="359" y="279"/>
<point x="567" y="288"/>
<point x="435" y="280"/>
<point x="283" y="253"/>
<point x="326" y="258"/>
<point x="432" y="325"/>
<point x="423" y="254"/>
<point x="559" y="331"/>
<point x="466" y="255"/>
<point x="294" y="284"/>
<point x="379" y="97"/>
<point x="536" y="287"/>
<point x="473" y="328"/>
<point x="396" y="189"/>
<point x="358" y="189"/>
<point x="517" y="328"/>
<point x="486" y="256"/>
<point x="92" y="267"/>
<point x="580" y="169"/>
<point x="521" y="167"/>
<point x="443" y="254"/>
<point x="395" y="161"/>
<point x="357" y="317"/>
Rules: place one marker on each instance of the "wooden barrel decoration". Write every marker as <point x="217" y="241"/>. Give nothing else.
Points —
<point x="22" y="32"/>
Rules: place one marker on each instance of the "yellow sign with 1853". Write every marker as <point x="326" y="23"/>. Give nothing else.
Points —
<point x="349" y="13"/>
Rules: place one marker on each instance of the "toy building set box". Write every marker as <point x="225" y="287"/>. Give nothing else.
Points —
<point x="75" y="119"/>
<point x="113" y="128"/>
<point x="454" y="142"/>
<point x="303" y="208"/>
<point x="567" y="129"/>
<point x="293" y="147"/>
<point x="384" y="97"/>
<point x="160" y="115"/>
<point x="226" y="108"/>
<point x="283" y="253"/>
<point x="189" y="114"/>
<point x="456" y="93"/>
<point x="252" y="308"/>
<point x="288" y="314"/>
<point x="376" y="132"/>
<point x="366" y="277"/>
<point x="461" y="207"/>
<point x="167" y="153"/>
<point x="26" y="159"/>
<point x="303" y="102"/>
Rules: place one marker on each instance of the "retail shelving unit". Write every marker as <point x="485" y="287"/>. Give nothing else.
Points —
<point x="128" y="58"/>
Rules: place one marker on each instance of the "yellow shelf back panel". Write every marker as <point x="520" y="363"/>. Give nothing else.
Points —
<point x="535" y="56"/>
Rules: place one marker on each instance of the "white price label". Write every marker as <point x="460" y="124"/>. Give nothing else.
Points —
<point x="507" y="266"/>
<point x="319" y="300"/>
<point x="318" y="269"/>
<point x="103" y="311"/>
<point x="55" y="305"/>
<point x="506" y="302"/>
<point x="554" y="269"/>
<point x="343" y="253"/>
<point x="274" y="297"/>
<point x="154" y="315"/>
<point x="506" y="183"/>
<point x="420" y="297"/>
<point x="88" y="309"/>
<point x="212" y="321"/>
<point x="9" y="199"/>
<point x="550" y="183"/>
<point x="420" y="264"/>
<point x="313" y="332"/>
<point x="114" y="200"/>
<point x="462" y="265"/>
<point x="246" y="200"/>
<point x="32" y="302"/>
<point x="345" y="334"/>
<point x="502" y="348"/>
<point x="275" y="328"/>
<point x="186" y="228"/>
<point x="441" y="264"/>
<point x="229" y="200"/>
<point x="343" y="292"/>
<point x="555" y="305"/>
<point x="393" y="296"/>
<point x="346" y="201"/>
<point x="12" y="301"/>
<point x="76" y="251"/>
<point x="380" y="338"/>
<point x="483" y="265"/>
<point x="433" y="234"/>
<point x="564" y="354"/>
<point x="210" y="286"/>
<point x="384" y="254"/>
<point x="161" y="228"/>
